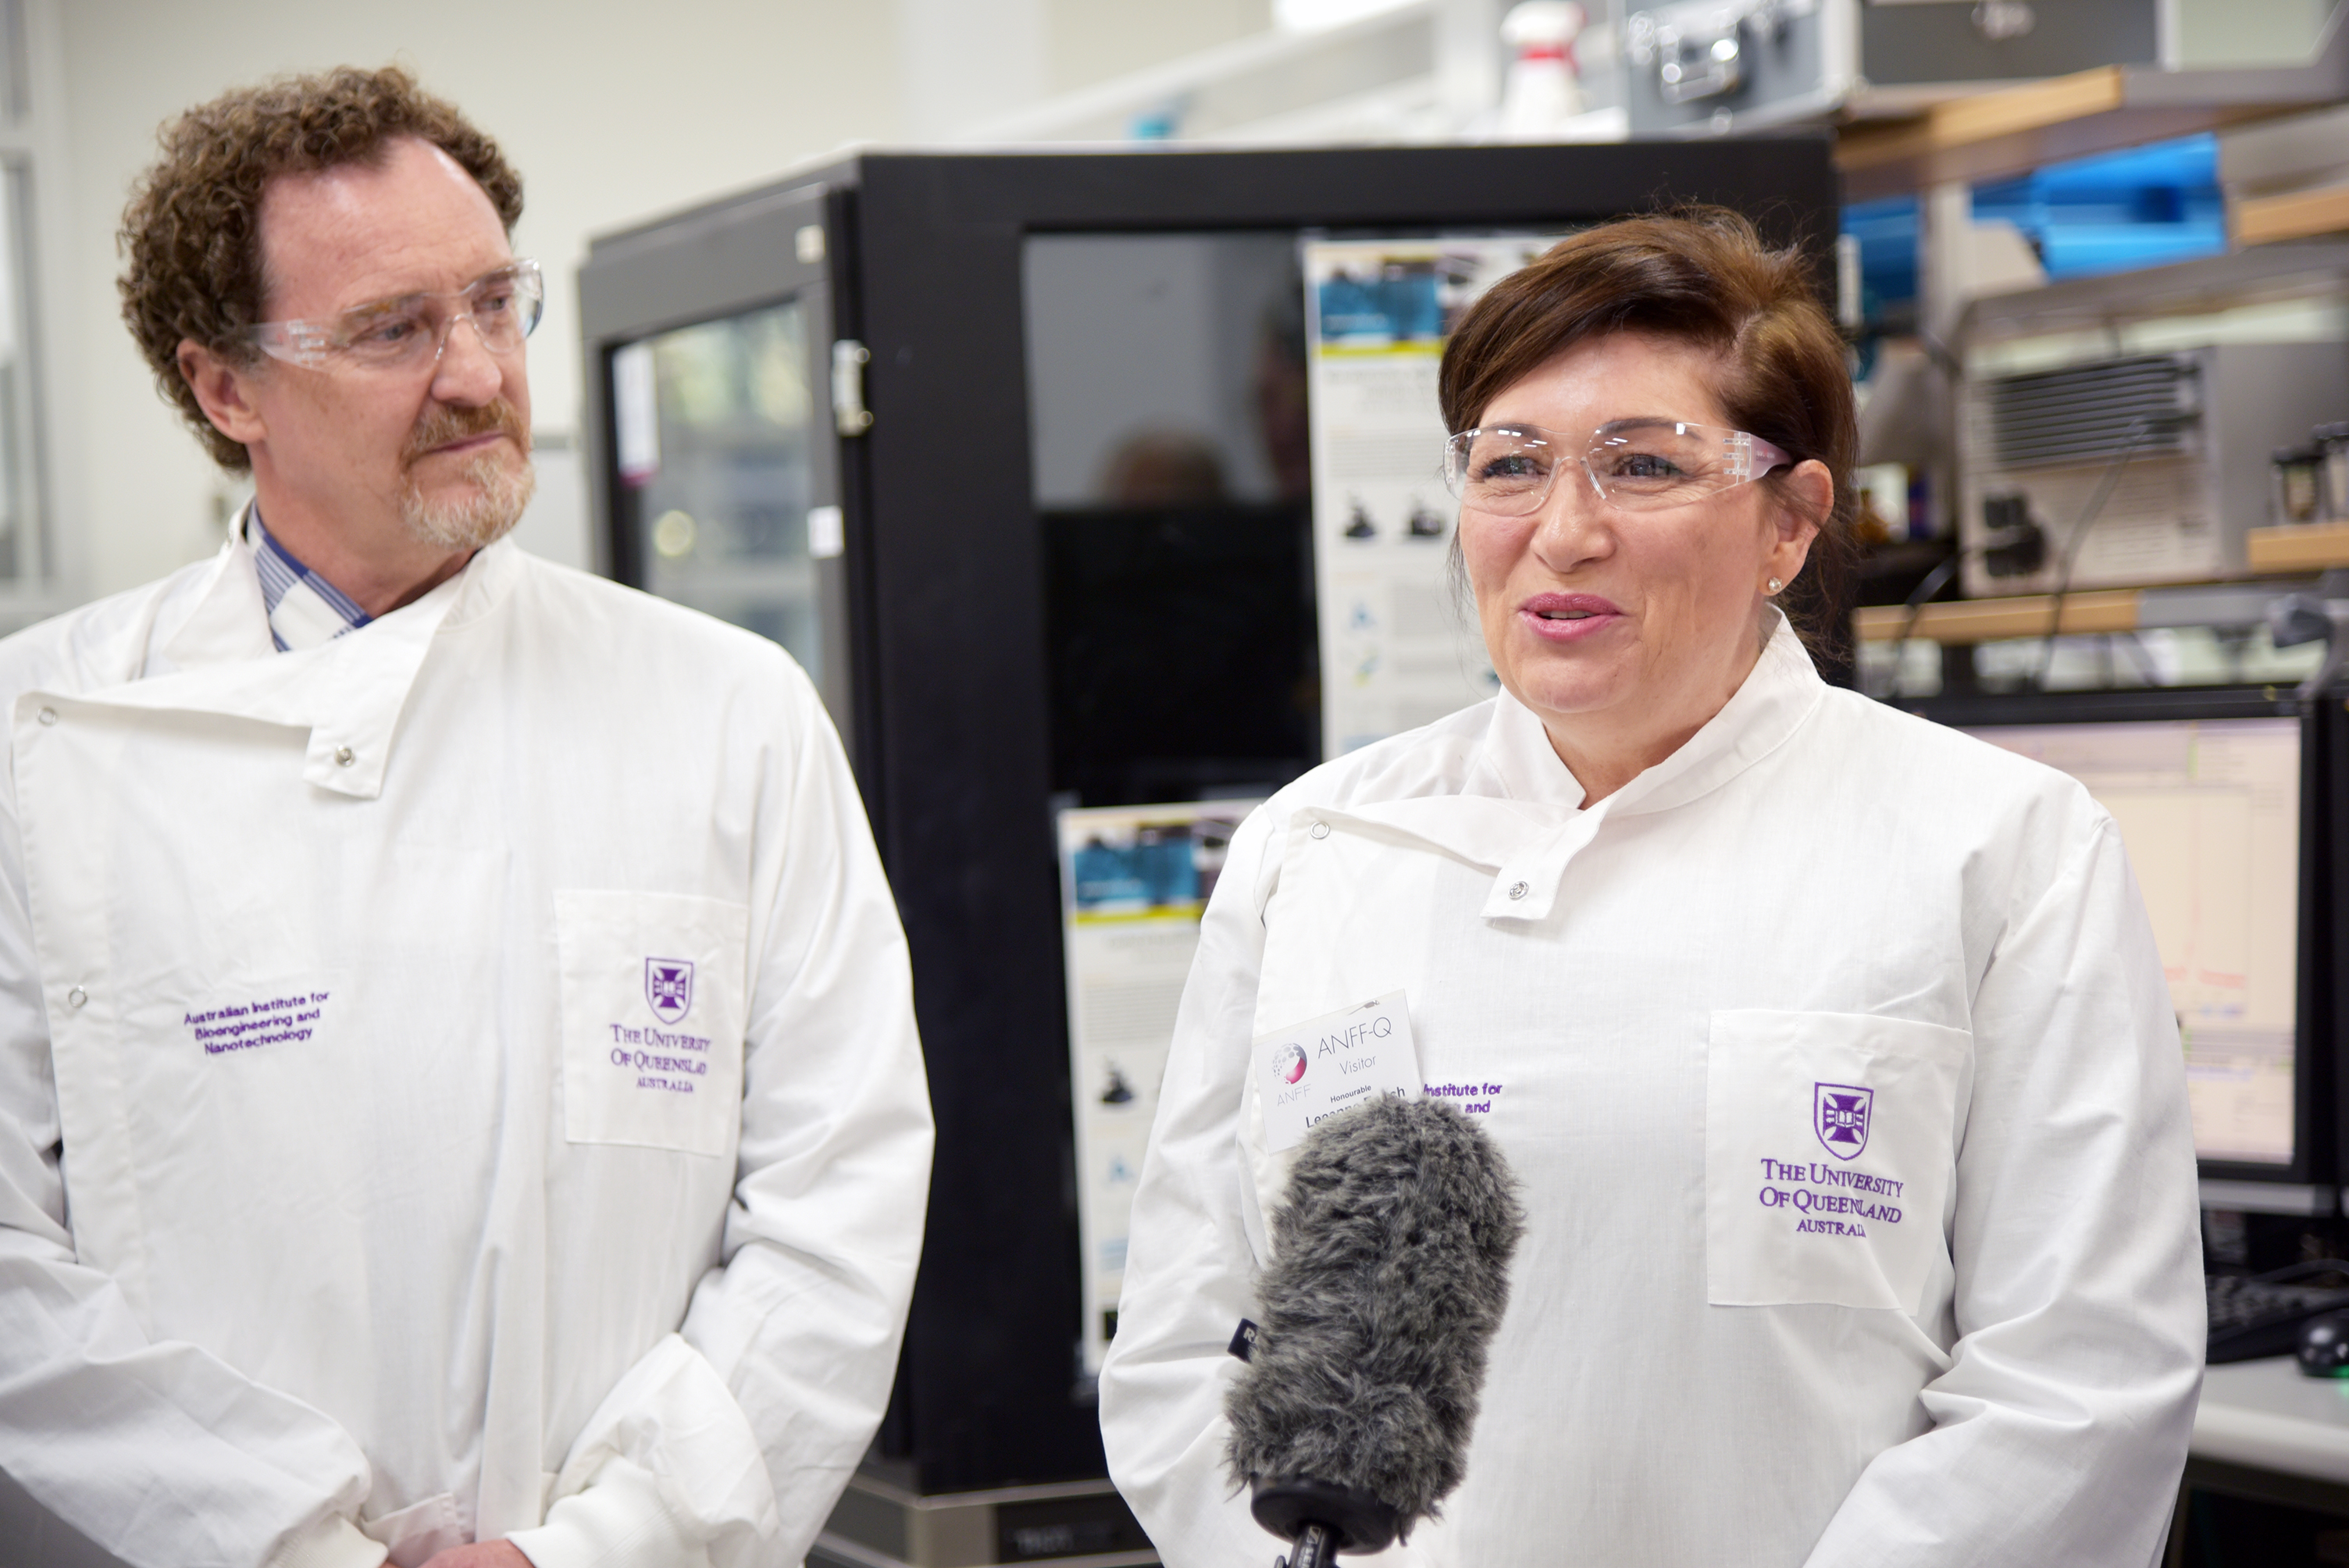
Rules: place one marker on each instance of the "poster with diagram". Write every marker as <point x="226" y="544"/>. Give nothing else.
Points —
<point x="1133" y="883"/>
<point x="1399" y="649"/>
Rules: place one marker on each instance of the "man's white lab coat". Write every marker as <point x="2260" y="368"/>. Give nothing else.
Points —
<point x="484" y="1059"/>
<point x="1733" y="1337"/>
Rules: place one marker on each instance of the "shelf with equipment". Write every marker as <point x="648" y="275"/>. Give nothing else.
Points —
<point x="2091" y="612"/>
<point x="2308" y="547"/>
<point x="2294" y="215"/>
<point x="2011" y="130"/>
<point x="2206" y="285"/>
<point x="2156" y="314"/>
<point x="1995" y="620"/>
<point x="2287" y="180"/>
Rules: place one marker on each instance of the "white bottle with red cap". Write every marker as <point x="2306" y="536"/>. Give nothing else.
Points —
<point x="1544" y="88"/>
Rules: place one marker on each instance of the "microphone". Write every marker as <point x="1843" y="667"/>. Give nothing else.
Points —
<point x="1389" y="1277"/>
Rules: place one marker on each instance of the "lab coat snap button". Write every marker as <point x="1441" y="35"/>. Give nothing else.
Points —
<point x="1321" y="829"/>
<point x="48" y="715"/>
<point x="77" y="996"/>
<point x="344" y="756"/>
<point x="1518" y="889"/>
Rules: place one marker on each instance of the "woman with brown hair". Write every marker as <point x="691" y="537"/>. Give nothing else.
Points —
<point x="1830" y="1048"/>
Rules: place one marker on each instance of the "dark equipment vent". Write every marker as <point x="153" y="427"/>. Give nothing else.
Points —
<point x="2085" y="414"/>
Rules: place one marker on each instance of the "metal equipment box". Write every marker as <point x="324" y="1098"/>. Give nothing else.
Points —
<point x="1694" y="66"/>
<point x="2132" y="469"/>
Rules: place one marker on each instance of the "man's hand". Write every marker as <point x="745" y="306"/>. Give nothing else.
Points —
<point x="484" y="1554"/>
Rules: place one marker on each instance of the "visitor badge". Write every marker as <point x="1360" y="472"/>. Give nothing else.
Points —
<point x="1315" y="1069"/>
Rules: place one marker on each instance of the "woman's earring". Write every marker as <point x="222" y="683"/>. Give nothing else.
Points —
<point x="1776" y="586"/>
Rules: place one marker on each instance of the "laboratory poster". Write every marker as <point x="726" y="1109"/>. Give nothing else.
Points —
<point x="1399" y="647"/>
<point x="1134" y="882"/>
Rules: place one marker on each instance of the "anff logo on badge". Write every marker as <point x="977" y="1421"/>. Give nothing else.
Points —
<point x="668" y="987"/>
<point x="1290" y="1065"/>
<point x="1840" y="1113"/>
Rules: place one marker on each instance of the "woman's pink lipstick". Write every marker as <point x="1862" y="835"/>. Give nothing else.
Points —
<point x="1567" y="617"/>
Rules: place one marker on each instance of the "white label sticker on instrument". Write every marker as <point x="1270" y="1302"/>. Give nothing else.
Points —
<point x="1317" y="1069"/>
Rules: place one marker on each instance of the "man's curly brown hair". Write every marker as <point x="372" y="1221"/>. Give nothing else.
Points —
<point x="192" y="230"/>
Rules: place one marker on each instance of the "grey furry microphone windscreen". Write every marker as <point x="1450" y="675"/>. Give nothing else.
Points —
<point x="1389" y="1277"/>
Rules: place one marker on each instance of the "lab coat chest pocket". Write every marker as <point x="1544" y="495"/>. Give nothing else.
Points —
<point x="654" y="1003"/>
<point x="1828" y="1157"/>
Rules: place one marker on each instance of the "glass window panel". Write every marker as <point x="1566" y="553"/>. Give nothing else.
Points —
<point x="19" y="491"/>
<point x="723" y="477"/>
<point x="13" y="95"/>
<point x="1171" y="477"/>
<point x="1165" y="367"/>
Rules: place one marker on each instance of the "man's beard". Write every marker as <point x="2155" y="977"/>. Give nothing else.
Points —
<point x="501" y="481"/>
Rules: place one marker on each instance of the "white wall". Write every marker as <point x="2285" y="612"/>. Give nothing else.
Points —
<point x="966" y="62"/>
<point x="614" y="110"/>
<point x="1087" y="41"/>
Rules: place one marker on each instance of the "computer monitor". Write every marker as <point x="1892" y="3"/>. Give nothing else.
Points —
<point x="2219" y="799"/>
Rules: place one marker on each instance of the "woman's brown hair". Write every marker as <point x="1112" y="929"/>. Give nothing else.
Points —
<point x="1702" y="274"/>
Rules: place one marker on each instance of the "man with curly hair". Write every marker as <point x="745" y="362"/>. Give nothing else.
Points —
<point x="459" y="1095"/>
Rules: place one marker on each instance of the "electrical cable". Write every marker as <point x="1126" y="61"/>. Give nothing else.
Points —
<point x="2138" y="428"/>
<point x="1914" y="606"/>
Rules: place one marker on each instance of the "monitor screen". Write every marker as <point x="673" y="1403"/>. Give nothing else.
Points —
<point x="1171" y="474"/>
<point x="2210" y="810"/>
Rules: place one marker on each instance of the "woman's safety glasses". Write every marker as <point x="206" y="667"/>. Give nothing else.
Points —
<point x="412" y="331"/>
<point x="1639" y="465"/>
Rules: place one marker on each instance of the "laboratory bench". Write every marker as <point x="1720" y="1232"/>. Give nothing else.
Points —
<point x="2264" y="1415"/>
<point x="2264" y="1434"/>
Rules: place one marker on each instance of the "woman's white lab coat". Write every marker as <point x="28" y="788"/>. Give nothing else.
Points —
<point x="433" y="1022"/>
<point x="1732" y="1337"/>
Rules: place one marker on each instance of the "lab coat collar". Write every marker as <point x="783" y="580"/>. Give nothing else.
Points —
<point x="1783" y="689"/>
<point x="222" y="620"/>
<point x="1777" y="696"/>
<point x="348" y="693"/>
<point x="1520" y="811"/>
<point x="1515" y="760"/>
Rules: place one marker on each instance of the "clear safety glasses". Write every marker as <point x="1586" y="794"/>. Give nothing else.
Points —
<point x="1639" y="465"/>
<point x="412" y="331"/>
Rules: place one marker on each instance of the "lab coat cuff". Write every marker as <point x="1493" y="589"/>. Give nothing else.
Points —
<point x="334" y="1543"/>
<point x="620" y="1522"/>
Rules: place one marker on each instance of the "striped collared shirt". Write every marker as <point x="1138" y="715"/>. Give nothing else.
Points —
<point x="305" y="609"/>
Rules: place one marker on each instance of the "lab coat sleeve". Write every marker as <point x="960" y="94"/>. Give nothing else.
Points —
<point x="156" y="1450"/>
<point x="1190" y="1273"/>
<point x="728" y="1442"/>
<point x="2061" y="1425"/>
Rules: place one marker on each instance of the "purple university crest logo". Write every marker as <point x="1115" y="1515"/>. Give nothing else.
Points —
<point x="1839" y="1115"/>
<point x="668" y="986"/>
